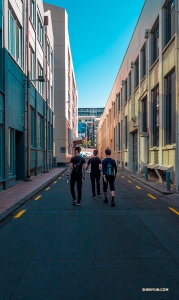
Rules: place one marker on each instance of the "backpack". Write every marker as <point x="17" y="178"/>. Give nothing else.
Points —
<point x="109" y="169"/>
<point x="77" y="166"/>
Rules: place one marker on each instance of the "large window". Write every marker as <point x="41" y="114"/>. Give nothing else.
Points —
<point x="170" y="110"/>
<point x="39" y="30"/>
<point x="144" y="115"/>
<point x="119" y="136"/>
<point x="125" y="91"/>
<point x="32" y="132"/>
<point x="143" y="61"/>
<point x="40" y="131"/>
<point x="119" y="102"/>
<point x="155" y="116"/>
<point x="155" y="43"/>
<point x="125" y="132"/>
<point x="32" y="11"/>
<point x="1" y="151"/>
<point x="40" y="84"/>
<point x="11" y="151"/>
<point x="137" y="72"/>
<point x="15" y="39"/>
<point x="32" y="64"/>
<point x="130" y="85"/>
<point x="169" y="21"/>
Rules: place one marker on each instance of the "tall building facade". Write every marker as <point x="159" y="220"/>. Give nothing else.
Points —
<point x="90" y="117"/>
<point x="26" y="90"/>
<point x="140" y="122"/>
<point x="66" y="94"/>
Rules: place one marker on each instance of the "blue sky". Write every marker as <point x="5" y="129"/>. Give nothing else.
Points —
<point x="100" y="31"/>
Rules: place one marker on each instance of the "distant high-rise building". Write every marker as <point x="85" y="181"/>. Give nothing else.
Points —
<point x="90" y="117"/>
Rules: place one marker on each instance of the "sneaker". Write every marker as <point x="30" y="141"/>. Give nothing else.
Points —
<point x="105" y="200"/>
<point x="99" y="195"/>
<point x="112" y="203"/>
<point x="74" y="201"/>
<point x="94" y="197"/>
<point x="78" y="203"/>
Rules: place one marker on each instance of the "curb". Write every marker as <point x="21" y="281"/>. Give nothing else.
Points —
<point x="18" y="204"/>
<point x="153" y="187"/>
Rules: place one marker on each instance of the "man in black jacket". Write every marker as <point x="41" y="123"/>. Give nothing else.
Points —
<point x="77" y="172"/>
<point x="95" y="173"/>
<point x="109" y="170"/>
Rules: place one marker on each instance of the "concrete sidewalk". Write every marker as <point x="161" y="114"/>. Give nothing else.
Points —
<point x="156" y="185"/>
<point x="15" y="196"/>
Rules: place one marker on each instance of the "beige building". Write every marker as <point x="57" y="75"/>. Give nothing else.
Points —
<point x="140" y="121"/>
<point x="65" y="89"/>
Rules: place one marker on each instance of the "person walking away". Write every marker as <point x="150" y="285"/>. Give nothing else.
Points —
<point x="77" y="172"/>
<point x="95" y="173"/>
<point x="109" y="170"/>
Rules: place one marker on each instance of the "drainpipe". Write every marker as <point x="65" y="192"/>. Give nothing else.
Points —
<point x="46" y="90"/>
<point x="28" y="93"/>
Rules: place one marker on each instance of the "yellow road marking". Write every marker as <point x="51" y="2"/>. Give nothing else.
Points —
<point x="38" y="197"/>
<point x="19" y="214"/>
<point x="123" y="177"/>
<point x="129" y="181"/>
<point x="138" y="187"/>
<point x="151" y="196"/>
<point x="47" y="188"/>
<point x="175" y="211"/>
<point x="55" y="182"/>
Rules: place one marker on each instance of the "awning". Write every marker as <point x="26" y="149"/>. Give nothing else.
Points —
<point x="164" y="168"/>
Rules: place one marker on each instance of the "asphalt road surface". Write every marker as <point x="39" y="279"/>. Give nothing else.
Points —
<point x="52" y="250"/>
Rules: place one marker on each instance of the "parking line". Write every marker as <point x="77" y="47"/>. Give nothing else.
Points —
<point x="38" y="197"/>
<point x="175" y="211"/>
<point x="19" y="214"/>
<point x="151" y="196"/>
<point x="55" y="182"/>
<point x="122" y="176"/>
<point x="129" y="181"/>
<point x="59" y="177"/>
<point x="138" y="187"/>
<point x="47" y="188"/>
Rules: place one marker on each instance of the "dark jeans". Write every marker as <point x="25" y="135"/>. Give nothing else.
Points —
<point x="95" y="177"/>
<point x="76" y="178"/>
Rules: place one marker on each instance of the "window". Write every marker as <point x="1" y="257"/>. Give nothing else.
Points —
<point x="125" y="91"/>
<point x="155" y="116"/>
<point x="1" y="151"/>
<point x="32" y="123"/>
<point x="11" y="151"/>
<point x="144" y="115"/>
<point x="32" y="11"/>
<point x="114" y="139"/>
<point x="119" y="135"/>
<point x="125" y="132"/>
<point x="119" y="102"/>
<point x="169" y="21"/>
<point x="137" y="72"/>
<point x="155" y="43"/>
<point x="143" y="61"/>
<point x="14" y="39"/>
<point x="40" y="132"/>
<point x="32" y="64"/>
<point x="130" y="87"/>
<point x="39" y="30"/>
<point x="170" y="101"/>
<point x="1" y="61"/>
<point x="40" y="84"/>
